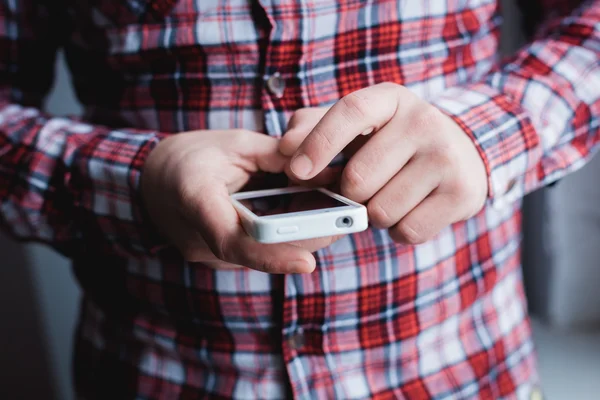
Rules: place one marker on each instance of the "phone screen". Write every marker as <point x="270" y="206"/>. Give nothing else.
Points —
<point x="291" y="202"/>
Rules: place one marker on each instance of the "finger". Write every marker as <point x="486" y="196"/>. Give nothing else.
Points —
<point x="189" y="241"/>
<point x="298" y="128"/>
<point x="313" y="245"/>
<point x="221" y="228"/>
<point x="360" y="112"/>
<point x="218" y="265"/>
<point x="376" y="163"/>
<point x="424" y="222"/>
<point x="262" y="150"/>
<point x="281" y="258"/>
<point x="403" y="193"/>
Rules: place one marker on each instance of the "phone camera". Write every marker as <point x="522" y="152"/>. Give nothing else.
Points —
<point x="344" y="222"/>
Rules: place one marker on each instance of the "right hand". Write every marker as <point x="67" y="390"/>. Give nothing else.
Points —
<point x="186" y="183"/>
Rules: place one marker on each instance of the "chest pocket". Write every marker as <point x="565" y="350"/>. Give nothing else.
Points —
<point x="130" y="12"/>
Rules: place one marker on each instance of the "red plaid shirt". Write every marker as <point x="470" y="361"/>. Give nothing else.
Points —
<point x="446" y="319"/>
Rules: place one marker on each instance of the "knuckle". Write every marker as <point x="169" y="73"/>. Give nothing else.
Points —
<point x="241" y="132"/>
<point x="356" y="106"/>
<point x="353" y="181"/>
<point x="378" y="215"/>
<point x="426" y="119"/>
<point x="442" y="156"/>
<point x="389" y="85"/>
<point x="460" y="190"/>
<point x="297" y="118"/>
<point x="293" y="121"/>
<point x="303" y="113"/>
<point x="411" y="233"/>
<point x="323" y="140"/>
<point x="241" y="139"/>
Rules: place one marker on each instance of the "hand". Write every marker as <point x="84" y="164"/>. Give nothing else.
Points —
<point x="417" y="171"/>
<point x="186" y="184"/>
<point x="302" y="122"/>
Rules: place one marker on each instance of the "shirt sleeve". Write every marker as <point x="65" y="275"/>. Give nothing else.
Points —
<point x="535" y="117"/>
<point x="63" y="182"/>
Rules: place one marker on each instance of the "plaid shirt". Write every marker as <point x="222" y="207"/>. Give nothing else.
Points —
<point x="446" y="319"/>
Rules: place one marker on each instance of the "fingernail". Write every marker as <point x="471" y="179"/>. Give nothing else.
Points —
<point x="301" y="166"/>
<point x="299" y="267"/>
<point x="367" y="132"/>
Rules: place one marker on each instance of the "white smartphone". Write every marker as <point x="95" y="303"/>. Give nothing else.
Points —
<point x="298" y="213"/>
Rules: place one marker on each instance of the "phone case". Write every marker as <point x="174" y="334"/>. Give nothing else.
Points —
<point x="301" y="225"/>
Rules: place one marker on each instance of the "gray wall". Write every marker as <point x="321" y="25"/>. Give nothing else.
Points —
<point x="566" y="281"/>
<point x="38" y="304"/>
<point x="561" y="254"/>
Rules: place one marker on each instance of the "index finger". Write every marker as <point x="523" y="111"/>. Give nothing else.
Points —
<point x="360" y="112"/>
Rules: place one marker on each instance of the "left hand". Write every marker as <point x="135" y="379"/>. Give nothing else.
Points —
<point x="417" y="171"/>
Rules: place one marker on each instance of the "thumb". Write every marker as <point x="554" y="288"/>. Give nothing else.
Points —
<point x="300" y="125"/>
<point x="262" y="151"/>
<point x="218" y="222"/>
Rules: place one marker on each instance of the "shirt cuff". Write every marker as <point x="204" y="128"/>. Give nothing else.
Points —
<point x="150" y="240"/>
<point x="109" y="199"/>
<point x="503" y="134"/>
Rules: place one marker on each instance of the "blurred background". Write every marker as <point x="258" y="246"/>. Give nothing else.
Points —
<point x="39" y="297"/>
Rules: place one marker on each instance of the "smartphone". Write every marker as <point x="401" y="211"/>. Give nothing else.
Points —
<point x="298" y="213"/>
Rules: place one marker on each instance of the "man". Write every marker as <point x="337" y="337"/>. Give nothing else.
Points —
<point x="440" y="140"/>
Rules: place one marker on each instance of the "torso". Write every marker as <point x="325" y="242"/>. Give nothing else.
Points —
<point x="446" y="319"/>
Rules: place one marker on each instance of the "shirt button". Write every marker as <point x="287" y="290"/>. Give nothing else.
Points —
<point x="296" y="341"/>
<point x="276" y="85"/>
